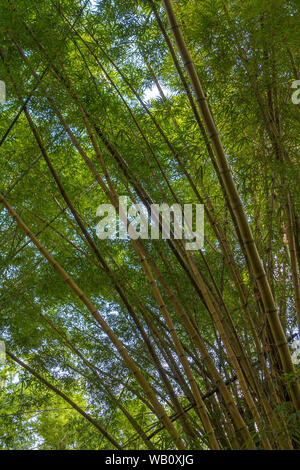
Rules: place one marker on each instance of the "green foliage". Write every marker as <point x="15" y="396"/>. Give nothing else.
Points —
<point x="247" y="55"/>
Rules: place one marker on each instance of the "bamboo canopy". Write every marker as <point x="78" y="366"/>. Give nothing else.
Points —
<point x="133" y="342"/>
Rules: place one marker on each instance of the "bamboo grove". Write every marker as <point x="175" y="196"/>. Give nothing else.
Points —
<point x="137" y="343"/>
